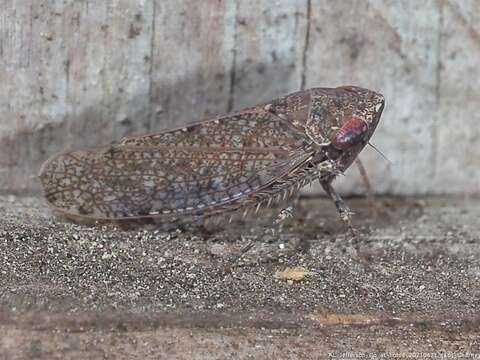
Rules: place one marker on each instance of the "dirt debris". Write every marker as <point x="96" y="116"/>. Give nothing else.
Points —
<point x="291" y="274"/>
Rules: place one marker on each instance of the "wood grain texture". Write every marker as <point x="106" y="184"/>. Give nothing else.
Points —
<point x="192" y="57"/>
<point x="269" y="43"/>
<point x="457" y="157"/>
<point x="128" y="64"/>
<point x="77" y="73"/>
<point x="380" y="47"/>
<point x="34" y="89"/>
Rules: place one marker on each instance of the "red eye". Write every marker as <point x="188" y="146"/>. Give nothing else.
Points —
<point x="351" y="133"/>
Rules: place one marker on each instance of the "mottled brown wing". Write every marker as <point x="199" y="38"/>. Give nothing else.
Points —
<point x="194" y="170"/>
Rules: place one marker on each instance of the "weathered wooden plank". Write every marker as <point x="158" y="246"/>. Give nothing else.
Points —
<point x="14" y="58"/>
<point x="380" y="46"/>
<point x="108" y="57"/>
<point x="77" y="73"/>
<point x="84" y="33"/>
<point x="457" y="161"/>
<point x="126" y="71"/>
<point x="33" y="91"/>
<point x="192" y="57"/>
<point x="269" y="49"/>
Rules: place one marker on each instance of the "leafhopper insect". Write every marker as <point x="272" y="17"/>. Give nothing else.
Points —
<point x="244" y="159"/>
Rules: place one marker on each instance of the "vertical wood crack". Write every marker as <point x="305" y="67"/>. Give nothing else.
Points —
<point x="438" y="84"/>
<point x="151" y="84"/>
<point x="306" y="44"/>
<point x="233" y="68"/>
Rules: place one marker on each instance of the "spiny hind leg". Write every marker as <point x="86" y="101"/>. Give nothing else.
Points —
<point x="298" y="243"/>
<point x="279" y="221"/>
<point x="272" y="232"/>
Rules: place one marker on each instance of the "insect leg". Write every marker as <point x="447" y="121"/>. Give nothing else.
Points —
<point x="301" y="244"/>
<point x="328" y="168"/>
<point x="342" y="207"/>
<point x="368" y="187"/>
<point x="233" y="259"/>
<point x="281" y="217"/>
<point x="275" y="229"/>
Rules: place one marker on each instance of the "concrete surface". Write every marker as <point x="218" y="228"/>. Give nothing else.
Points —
<point x="77" y="73"/>
<point x="407" y="286"/>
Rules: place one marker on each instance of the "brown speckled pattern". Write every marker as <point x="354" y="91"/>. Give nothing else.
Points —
<point x="221" y="164"/>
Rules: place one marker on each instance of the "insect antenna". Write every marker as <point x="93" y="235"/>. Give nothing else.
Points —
<point x="378" y="151"/>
